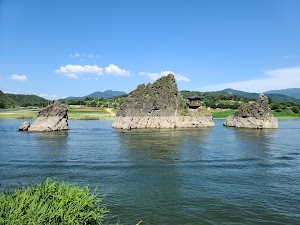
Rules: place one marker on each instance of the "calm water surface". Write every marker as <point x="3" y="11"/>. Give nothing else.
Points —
<point x="183" y="176"/>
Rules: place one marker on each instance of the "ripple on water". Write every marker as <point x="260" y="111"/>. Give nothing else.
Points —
<point x="180" y="176"/>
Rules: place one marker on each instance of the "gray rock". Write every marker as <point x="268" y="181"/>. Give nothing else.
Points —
<point x="24" y="126"/>
<point x="158" y="105"/>
<point x="253" y="115"/>
<point x="52" y="118"/>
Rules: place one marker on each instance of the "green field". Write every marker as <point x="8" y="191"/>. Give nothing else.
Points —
<point x="18" y="113"/>
<point x="222" y="113"/>
<point x="286" y="114"/>
<point x="94" y="113"/>
<point x="88" y="114"/>
<point x="73" y="113"/>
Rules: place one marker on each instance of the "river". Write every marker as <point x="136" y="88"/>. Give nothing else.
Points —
<point x="169" y="176"/>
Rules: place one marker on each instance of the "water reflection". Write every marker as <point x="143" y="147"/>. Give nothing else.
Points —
<point x="252" y="143"/>
<point x="158" y="179"/>
<point x="51" y="145"/>
<point x="162" y="144"/>
<point x="53" y="139"/>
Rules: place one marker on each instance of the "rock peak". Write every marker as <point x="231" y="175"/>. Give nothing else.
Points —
<point x="253" y="115"/>
<point x="157" y="105"/>
<point x="51" y="118"/>
<point x="158" y="99"/>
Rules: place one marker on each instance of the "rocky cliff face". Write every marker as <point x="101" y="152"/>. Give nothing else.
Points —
<point x="158" y="105"/>
<point x="253" y="115"/>
<point x="52" y="118"/>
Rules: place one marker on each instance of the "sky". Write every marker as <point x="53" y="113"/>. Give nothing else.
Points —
<point x="56" y="49"/>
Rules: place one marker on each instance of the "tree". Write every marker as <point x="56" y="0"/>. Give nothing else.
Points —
<point x="275" y="106"/>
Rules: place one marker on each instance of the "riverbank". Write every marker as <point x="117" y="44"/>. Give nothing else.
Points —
<point x="83" y="113"/>
<point x="283" y="114"/>
<point x="95" y="113"/>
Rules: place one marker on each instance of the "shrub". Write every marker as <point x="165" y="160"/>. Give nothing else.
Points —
<point x="185" y="111"/>
<point x="295" y="109"/>
<point x="51" y="202"/>
<point x="275" y="106"/>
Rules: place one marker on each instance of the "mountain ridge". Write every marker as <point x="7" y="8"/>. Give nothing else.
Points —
<point x="292" y="92"/>
<point x="279" y="98"/>
<point x="98" y="94"/>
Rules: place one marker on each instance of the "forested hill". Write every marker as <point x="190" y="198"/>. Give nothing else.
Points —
<point x="8" y="100"/>
<point x="98" y="94"/>
<point x="274" y="97"/>
<point x="292" y="92"/>
<point x="5" y="101"/>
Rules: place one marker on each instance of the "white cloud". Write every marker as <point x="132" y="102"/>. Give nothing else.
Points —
<point x="155" y="76"/>
<point x="152" y="76"/>
<point x="72" y="71"/>
<point x="18" y="77"/>
<point x="49" y="97"/>
<point x="271" y="80"/>
<point x="114" y="69"/>
<point x="84" y="56"/>
<point x="10" y="92"/>
<point x="76" y="55"/>
<point x="71" y="75"/>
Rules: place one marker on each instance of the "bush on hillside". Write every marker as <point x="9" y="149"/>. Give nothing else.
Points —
<point x="295" y="109"/>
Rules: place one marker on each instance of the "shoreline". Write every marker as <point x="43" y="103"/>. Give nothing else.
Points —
<point x="109" y="114"/>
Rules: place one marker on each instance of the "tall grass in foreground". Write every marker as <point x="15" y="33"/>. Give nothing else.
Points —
<point x="51" y="202"/>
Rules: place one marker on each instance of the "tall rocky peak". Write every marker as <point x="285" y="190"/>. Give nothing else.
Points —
<point x="259" y="109"/>
<point x="253" y="115"/>
<point x="52" y="118"/>
<point x="55" y="109"/>
<point x="158" y="99"/>
<point x="263" y="102"/>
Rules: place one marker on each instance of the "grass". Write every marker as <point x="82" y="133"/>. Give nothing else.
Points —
<point x="51" y="202"/>
<point x="222" y="113"/>
<point x="93" y="113"/>
<point x="286" y="114"/>
<point x="86" y="113"/>
<point x="18" y="113"/>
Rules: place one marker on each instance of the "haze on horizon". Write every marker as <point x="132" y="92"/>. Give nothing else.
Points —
<point x="73" y="48"/>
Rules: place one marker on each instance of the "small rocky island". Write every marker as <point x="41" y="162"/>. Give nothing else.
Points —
<point x="160" y="105"/>
<point x="52" y="118"/>
<point x="253" y="115"/>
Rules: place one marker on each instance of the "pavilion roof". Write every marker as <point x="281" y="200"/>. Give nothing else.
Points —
<point x="195" y="97"/>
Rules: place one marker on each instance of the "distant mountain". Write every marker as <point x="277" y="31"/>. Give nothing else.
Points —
<point x="106" y="94"/>
<point x="99" y="94"/>
<point x="9" y="100"/>
<point x="280" y="98"/>
<point x="240" y="93"/>
<point x="292" y="92"/>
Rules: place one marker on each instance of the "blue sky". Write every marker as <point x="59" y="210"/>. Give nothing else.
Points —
<point x="56" y="48"/>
